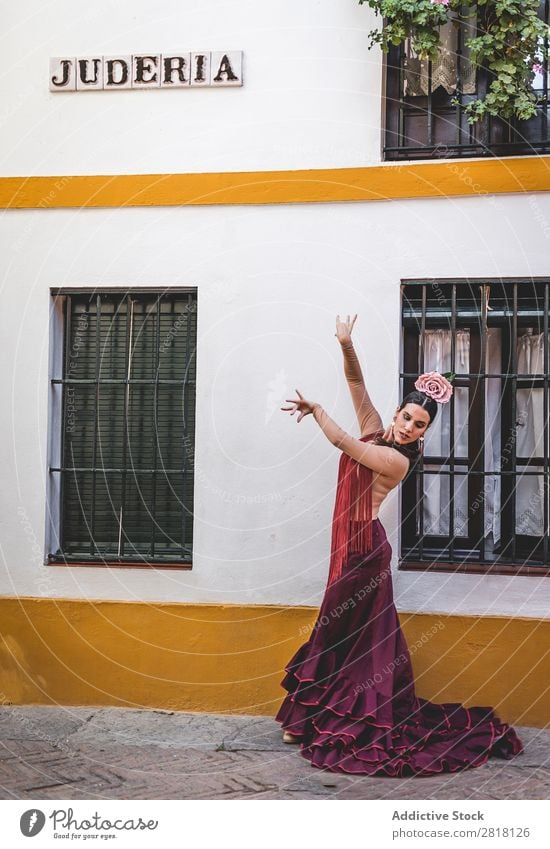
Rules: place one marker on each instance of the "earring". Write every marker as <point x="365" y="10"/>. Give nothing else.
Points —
<point x="421" y="444"/>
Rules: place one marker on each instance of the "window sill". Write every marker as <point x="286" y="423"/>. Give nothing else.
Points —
<point x="449" y="152"/>
<point x="117" y="564"/>
<point x="473" y="568"/>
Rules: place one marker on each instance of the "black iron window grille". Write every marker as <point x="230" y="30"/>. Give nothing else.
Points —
<point x="420" y="119"/>
<point x="124" y="398"/>
<point x="478" y="500"/>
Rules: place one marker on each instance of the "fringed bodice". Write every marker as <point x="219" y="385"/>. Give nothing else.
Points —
<point x="352" y="519"/>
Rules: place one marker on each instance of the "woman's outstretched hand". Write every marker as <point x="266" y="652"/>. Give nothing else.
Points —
<point x="344" y="328"/>
<point x="301" y="405"/>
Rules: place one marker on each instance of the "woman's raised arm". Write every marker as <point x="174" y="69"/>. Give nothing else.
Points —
<point x="367" y="415"/>
<point x="379" y="458"/>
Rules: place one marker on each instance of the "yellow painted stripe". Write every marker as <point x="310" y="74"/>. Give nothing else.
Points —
<point x="384" y="182"/>
<point x="230" y="658"/>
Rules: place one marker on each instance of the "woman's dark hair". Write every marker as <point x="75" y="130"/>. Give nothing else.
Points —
<point x="423" y="400"/>
<point x="412" y="451"/>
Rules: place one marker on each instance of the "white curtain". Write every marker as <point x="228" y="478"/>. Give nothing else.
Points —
<point x="528" y="436"/>
<point x="493" y="393"/>
<point x="437" y="357"/>
<point x="444" y="68"/>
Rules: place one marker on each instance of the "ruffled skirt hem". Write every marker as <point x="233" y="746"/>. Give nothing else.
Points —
<point x="356" y="730"/>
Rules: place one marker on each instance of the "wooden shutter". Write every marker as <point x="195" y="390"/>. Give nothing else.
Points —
<point x="128" y="427"/>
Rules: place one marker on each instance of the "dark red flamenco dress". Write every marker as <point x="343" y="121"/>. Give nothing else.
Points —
<point x="351" y="696"/>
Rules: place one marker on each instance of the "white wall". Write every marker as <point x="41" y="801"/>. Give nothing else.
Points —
<point x="311" y="96"/>
<point x="270" y="280"/>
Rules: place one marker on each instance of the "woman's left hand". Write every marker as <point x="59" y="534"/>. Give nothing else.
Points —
<point x="388" y="434"/>
<point x="305" y="408"/>
<point x="344" y="329"/>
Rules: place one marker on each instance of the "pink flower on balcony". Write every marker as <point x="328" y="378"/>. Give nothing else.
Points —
<point x="538" y="68"/>
<point x="440" y="2"/>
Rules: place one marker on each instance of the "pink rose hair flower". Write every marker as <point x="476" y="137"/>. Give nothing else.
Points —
<point x="435" y="385"/>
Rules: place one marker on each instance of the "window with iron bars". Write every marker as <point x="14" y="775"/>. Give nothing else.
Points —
<point x="122" y="425"/>
<point x="478" y="500"/>
<point x="420" y="120"/>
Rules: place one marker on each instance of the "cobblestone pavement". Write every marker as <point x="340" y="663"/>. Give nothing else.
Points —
<point x="116" y="753"/>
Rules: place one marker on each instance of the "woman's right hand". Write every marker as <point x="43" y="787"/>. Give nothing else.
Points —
<point x="300" y="405"/>
<point x="344" y="328"/>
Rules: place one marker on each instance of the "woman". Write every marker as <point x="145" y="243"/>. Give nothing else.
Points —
<point x="351" y="702"/>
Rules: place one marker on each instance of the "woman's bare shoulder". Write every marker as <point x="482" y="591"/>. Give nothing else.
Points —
<point x="387" y="461"/>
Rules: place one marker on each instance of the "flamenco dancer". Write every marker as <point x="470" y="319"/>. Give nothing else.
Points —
<point x="351" y="702"/>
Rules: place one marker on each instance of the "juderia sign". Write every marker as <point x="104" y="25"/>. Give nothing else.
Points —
<point x="146" y="70"/>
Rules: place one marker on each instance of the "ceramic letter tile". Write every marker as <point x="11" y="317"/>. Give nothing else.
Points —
<point x="89" y="73"/>
<point x="200" y="67"/>
<point x="226" y="68"/>
<point x="62" y="73"/>
<point x="175" y="70"/>
<point x="146" y="70"/>
<point x="117" y="72"/>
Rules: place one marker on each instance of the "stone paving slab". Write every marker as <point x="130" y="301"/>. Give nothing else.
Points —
<point x="117" y="753"/>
